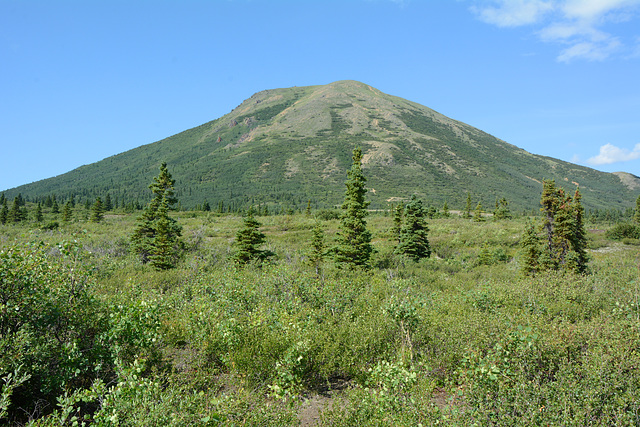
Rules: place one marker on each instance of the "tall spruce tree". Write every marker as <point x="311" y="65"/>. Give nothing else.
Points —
<point x="354" y="240"/>
<point x="563" y="242"/>
<point x="165" y="253"/>
<point x="578" y="259"/>
<point x="156" y="236"/>
<point x="636" y="215"/>
<point x="413" y="234"/>
<point x="551" y="199"/>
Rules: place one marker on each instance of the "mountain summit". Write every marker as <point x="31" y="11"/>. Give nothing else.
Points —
<point x="282" y="147"/>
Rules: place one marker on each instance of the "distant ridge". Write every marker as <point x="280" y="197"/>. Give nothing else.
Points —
<point x="283" y="147"/>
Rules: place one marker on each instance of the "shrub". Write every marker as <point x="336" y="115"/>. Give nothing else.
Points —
<point x="50" y="329"/>
<point x="624" y="230"/>
<point x="328" y="214"/>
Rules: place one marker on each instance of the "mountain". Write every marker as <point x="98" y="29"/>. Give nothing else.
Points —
<point x="283" y="147"/>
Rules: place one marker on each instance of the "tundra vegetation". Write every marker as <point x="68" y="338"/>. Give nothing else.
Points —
<point x="419" y="331"/>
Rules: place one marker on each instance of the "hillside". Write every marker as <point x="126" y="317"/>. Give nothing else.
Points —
<point x="283" y="147"/>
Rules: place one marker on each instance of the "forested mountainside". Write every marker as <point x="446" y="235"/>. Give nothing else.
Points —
<point x="283" y="147"/>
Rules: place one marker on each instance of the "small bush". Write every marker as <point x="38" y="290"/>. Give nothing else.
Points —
<point x="328" y="214"/>
<point x="624" y="230"/>
<point x="51" y="225"/>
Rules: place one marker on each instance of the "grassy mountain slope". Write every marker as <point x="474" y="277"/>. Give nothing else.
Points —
<point x="285" y="146"/>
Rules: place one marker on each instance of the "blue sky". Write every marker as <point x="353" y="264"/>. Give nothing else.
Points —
<point x="84" y="80"/>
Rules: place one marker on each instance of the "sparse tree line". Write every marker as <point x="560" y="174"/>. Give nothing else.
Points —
<point x="80" y="207"/>
<point x="559" y="242"/>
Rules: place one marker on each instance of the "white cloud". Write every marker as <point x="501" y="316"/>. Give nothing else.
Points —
<point x="609" y="154"/>
<point x="589" y="50"/>
<point x="514" y="13"/>
<point x="576" y="24"/>
<point x="592" y="10"/>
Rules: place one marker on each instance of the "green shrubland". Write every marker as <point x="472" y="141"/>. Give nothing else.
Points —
<point x="90" y="335"/>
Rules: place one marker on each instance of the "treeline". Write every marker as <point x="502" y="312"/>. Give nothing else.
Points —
<point x="23" y="208"/>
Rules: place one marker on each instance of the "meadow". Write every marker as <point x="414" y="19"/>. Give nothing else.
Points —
<point x="91" y="336"/>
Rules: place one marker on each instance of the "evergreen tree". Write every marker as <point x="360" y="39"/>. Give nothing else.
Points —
<point x="248" y="240"/>
<point x="307" y="212"/>
<point x="4" y="211"/>
<point x="97" y="211"/>
<point x="15" y="214"/>
<point x="24" y="214"/>
<point x="551" y="199"/>
<point x="165" y="253"/>
<point x="445" y="210"/>
<point x="144" y="233"/>
<point x="3" y="199"/>
<point x="413" y="235"/>
<point x="563" y="230"/>
<point x="502" y="210"/>
<point x="108" y="205"/>
<point x="636" y="215"/>
<point x="354" y="240"/>
<point x="530" y="244"/>
<point x="477" y="214"/>
<point x="398" y="216"/>
<point x="55" y="209"/>
<point x="156" y="236"/>
<point x="38" y="215"/>
<point x="466" y="213"/>
<point x="67" y="212"/>
<point x="578" y="258"/>
<point x="206" y="207"/>
<point x="484" y="256"/>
